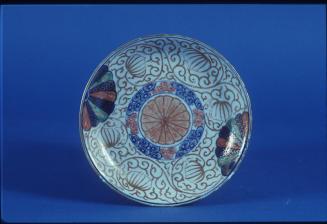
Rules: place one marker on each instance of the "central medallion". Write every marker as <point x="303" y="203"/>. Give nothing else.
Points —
<point x="165" y="120"/>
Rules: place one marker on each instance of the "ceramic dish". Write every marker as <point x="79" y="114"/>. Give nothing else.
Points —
<point x="165" y="120"/>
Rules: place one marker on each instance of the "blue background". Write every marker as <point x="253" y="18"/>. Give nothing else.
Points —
<point x="49" y="53"/>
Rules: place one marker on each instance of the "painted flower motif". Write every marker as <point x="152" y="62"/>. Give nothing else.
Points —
<point x="165" y="120"/>
<point x="229" y="142"/>
<point x="198" y="117"/>
<point x="100" y="99"/>
<point x="132" y="124"/>
<point x="168" y="153"/>
<point x="163" y="86"/>
<point x="164" y="117"/>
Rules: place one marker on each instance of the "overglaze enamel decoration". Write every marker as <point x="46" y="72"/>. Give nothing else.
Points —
<point x="165" y="120"/>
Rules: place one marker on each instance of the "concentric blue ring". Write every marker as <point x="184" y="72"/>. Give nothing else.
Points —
<point x="175" y="89"/>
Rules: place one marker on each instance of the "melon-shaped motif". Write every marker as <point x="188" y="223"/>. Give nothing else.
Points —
<point x="194" y="171"/>
<point x="110" y="136"/>
<point x="138" y="181"/>
<point x="135" y="65"/>
<point x="197" y="60"/>
<point x="221" y="110"/>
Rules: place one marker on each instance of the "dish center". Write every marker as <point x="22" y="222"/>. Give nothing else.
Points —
<point x="165" y="120"/>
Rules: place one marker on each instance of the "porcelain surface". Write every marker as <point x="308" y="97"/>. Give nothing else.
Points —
<point x="165" y="120"/>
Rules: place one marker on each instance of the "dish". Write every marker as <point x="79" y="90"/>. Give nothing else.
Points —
<point x="165" y="120"/>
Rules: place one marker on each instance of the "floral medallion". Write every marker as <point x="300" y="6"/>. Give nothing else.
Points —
<point x="165" y="120"/>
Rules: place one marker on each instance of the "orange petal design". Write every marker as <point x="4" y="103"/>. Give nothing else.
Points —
<point x="165" y="120"/>
<point x="110" y="96"/>
<point x="86" y="123"/>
